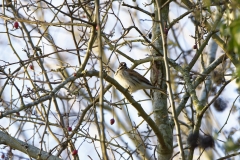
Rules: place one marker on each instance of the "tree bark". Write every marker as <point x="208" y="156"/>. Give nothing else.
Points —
<point x="158" y="75"/>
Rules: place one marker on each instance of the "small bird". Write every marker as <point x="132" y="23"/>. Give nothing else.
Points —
<point x="132" y="80"/>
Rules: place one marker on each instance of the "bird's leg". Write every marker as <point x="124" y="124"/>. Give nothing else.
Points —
<point x="128" y="89"/>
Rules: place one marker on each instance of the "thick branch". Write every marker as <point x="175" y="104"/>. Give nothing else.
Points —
<point x="26" y="148"/>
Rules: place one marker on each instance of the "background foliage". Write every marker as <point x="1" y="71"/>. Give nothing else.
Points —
<point x="59" y="99"/>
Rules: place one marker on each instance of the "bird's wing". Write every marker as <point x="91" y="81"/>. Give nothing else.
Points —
<point x="138" y="77"/>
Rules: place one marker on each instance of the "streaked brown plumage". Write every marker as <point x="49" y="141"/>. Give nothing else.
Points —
<point x="131" y="79"/>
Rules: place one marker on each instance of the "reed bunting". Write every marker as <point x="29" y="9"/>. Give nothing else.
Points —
<point x="132" y="80"/>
